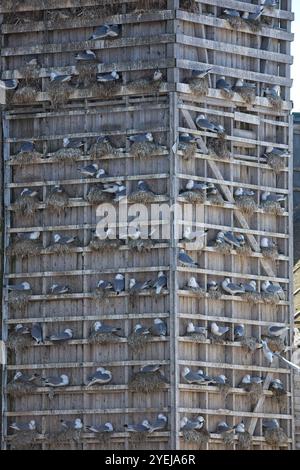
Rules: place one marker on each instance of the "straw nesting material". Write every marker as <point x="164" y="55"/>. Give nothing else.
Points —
<point x="66" y="154"/>
<point x="103" y="338"/>
<point x="200" y="436"/>
<point x="97" y="244"/>
<point x="272" y="208"/>
<point x="57" y="201"/>
<point x="276" y="163"/>
<point x="246" y="204"/>
<point x="249" y="343"/>
<point x="18" y="389"/>
<point x="147" y="382"/>
<point x="18" y="300"/>
<point x="105" y="90"/>
<point x="96" y="196"/>
<point x="25" y="95"/>
<point x="137" y="341"/>
<point x="26" y="205"/>
<point x="59" y="93"/>
<point x="244" y="441"/>
<point x="18" y="342"/>
<point x="199" y="86"/>
<point x="142" y="197"/>
<point x="144" y="85"/>
<point x="24" y="440"/>
<point x="188" y="151"/>
<point x="218" y="148"/>
<point x="200" y="292"/>
<point x="101" y="149"/>
<point x="144" y="149"/>
<point x="268" y="298"/>
<point x="275" y="437"/>
<point x="25" y="248"/>
<point x="255" y="392"/>
<point x="276" y="102"/>
<point x="194" y="196"/>
<point x="141" y="245"/>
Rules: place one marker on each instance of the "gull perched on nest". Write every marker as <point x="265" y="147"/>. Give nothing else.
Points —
<point x="255" y="15"/>
<point x="185" y="259"/>
<point x="107" y="77"/>
<point x="223" y="85"/>
<point x="276" y="152"/>
<point x="140" y="330"/>
<point x="266" y="242"/>
<point x="270" y="423"/>
<point x="150" y="368"/>
<point x="105" y="31"/>
<point x="277" y="331"/>
<point x="192" y="283"/>
<point x="27" y="192"/>
<point x="135" y="286"/>
<point x="194" y="329"/>
<point x="146" y="137"/>
<point x="56" y="381"/>
<point x="21" y="287"/>
<point x="160" y="283"/>
<point x="269" y="355"/>
<point x="191" y="424"/>
<point x="105" y="285"/>
<point x="273" y="92"/>
<point x="119" y="284"/>
<point x="239" y="332"/>
<point x="24" y="378"/>
<point x="240" y="192"/>
<point x="212" y="286"/>
<point x="144" y="186"/>
<point x="56" y="77"/>
<point x="102" y="328"/>
<point x="250" y="287"/>
<point x="86" y="56"/>
<point x="101" y="376"/>
<point x="275" y="289"/>
<point x="242" y="85"/>
<point x="205" y="124"/>
<point x="159" y="424"/>
<point x="232" y="288"/>
<point x="195" y="377"/>
<point x="270" y="3"/>
<point x="144" y="426"/>
<point x="72" y="143"/>
<point x="240" y="427"/>
<point x="223" y="427"/>
<point x="196" y="186"/>
<point x="30" y="426"/>
<point x="277" y="386"/>
<point x="59" y="289"/>
<point x="29" y="235"/>
<point x="92" y="171"/>
<point x="201" y="73"/>
<point x="63" y="239"/>
<point x="99" y="428"/>
<point x="26" y="147"/>
<point x="231" y="13"/>
<point x="65" y="335"/>
<point x="231" y="239"/>
<point x="248" y="379"/>
<point x="186" y="138"/>
<point x="75" y="424"/>
<point x="218" y="330"/>
<point x="37" y="332"/>
<point x="159" y="328"/>
<point x="21" y="329"/>
<point x="9" y="84"/>
<point x="272" y="197"/>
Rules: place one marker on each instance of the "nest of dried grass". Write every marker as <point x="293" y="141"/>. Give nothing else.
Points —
<point x="103" y="245"/>
<point x="280" y="397"/>
<point x="253" y="25"/>
<point x="218" y="148"/>
<point x="57" y="201"/>
<point x="188" y="151"/>
<point x="214" y="294"/>
<point x="17" y="342"/>
<point x="24" y="440"/>
<point x="25" y="95"/>
<point x="59" y="93"/>
<point x="105" y="90"/>
<point x="224" y="389"/>
<point x="23" y="158"/>
<point x="60" y="248"/>
<point x="199" y="86"/>
<point x="96" y="196"/>
<point x="144" y="149"/>
<point x="189" y="5"/>
<point x="236" y="22"/>
<point x="147" y="381"/>
<point x="276" y="344"/>
<point x="200" y="292"/>
<point x="272" y="299"/>
<point x="244" y="440"/>
<point x="103" y="338"/>
<point x="86" y="74"/>
<point x="138" y="437"/>
<point x="25" y="248"/>
<point x="18" y="300"/>
<point x="215" y="199"/>
<point x="272" y="208"/>
<point x="246" y="204"/>
<point x="217" y="339"/>
<point x="142" y="197"/>
<point x="276" y="102"/>
<point x="223" y="248"/>
<point x="275" y="437"/>
<point x="65" y="154"/>
<point x="194" y="196"/>
<point x="228" y="438"/>
<point x="276" y="163"/>
<point x="141" y="245"/>
<point x="18" y="389"/>
<point x="100" y="149"/>
<point x="249" y="343"/>
<point x="144" y="85"/>
<point x="255" y="392"/>
<point x="26" y="205"/>
<point x="59" y="438"/>
<point x="101" y="294"/>
<point x="197" y="337"/>
<point x="194" y="436"/>
<point x="247" y="94"/>
<point x="243" y="250"/>
<point x="137" y="342"/>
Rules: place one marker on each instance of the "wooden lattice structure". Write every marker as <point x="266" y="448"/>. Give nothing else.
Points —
<point x="175" y="37"/>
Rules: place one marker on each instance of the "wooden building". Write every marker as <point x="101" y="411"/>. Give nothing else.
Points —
<point x="176" y="37"/>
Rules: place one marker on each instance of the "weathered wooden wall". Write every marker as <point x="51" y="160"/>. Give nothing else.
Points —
<point x="148" y="42"/>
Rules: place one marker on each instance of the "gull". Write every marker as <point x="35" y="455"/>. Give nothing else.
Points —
<point x="30" y="426"/>
<point x="267" y="352"/>
<point x="205" y="124"/>
<point x="276" y="385"/>
<point x="222" y="84"/>
<point x="272" y="197"/>
<point x="86" y="55"/>
<point x="63" y="239"/>
<point x="59" y="78"/>
<point x="195" y="186"/>
<point x="240" y="428"/>
<point x="92" y="170"/>
<point x="150" y="368"/>
<point x="107" y="77"/>
<point x="248" y="379"/>
<point x="235" y="240"/>
<point x="200" y="330"/>
<point x="276" y="152"/>
<point x="27" y="192"/>
<point x="160" y="283"/>
<point x="112" y="187"/>
<point x="140" y="330"/>
<point x="105" y="31"/>
<point x="250" y="287"/>
<point x="59" y="289"/>
<point x="267" y="243"/>
<point x="218" y="330"/>
<point x="232" y="13"/>
<point x="192" y="283"/>
<point x="270" y="423"/>
<point x="239" y="332"/>
<point x="96" y="428"/>
<point x="232" y="288"/>
<point x="144" y="426"/>
<point x="211" y="189"/>
<point x="191" y="424"/>
<point x="195" y="377"/>
<point x="56" y="381"/>
<point x="102" y="328"/>
<point x="134" y="235"/>
<point x="24" y="378"/>
<point x="119" y="283"/>
<point x="159" y="328"/>
<point x="101" y="376"/>
<point x="220" y="380"/>
<point x="270" y="3"/>
<point x="241" y="84"/>
<point x="135" y="286"/>
<point x="120" y="193"/>
<point x="27" y="146"/>
<point x="275" y="289"/>
<point x="21" y="329"/>
<point x="157" y="75"/>
<point x="29" y="235"/>
<point x="186" y="138"/>
<point x="273" y="91"/>
<point x="147" y="137"/>
<point x="33" y="61"/>
<point x="159" y="424"/>
<point x="37" y="332"/>
<point x="185" y="259"/>
<point x="255" y="15"/>
<point x="72" y="143"/>
<point x="144" y="186"/>
<point x="9" y="84"/>
<point x="21" y="287"/>
<point x="63" y="336"/>
<point x="277" y="331"/>
<point x="201" y="73"/>
<point x="190" y="236"/>
<point x="239" y="192"/>
<point x="212" y="286"/>
<point x="223" y="427"/>
<point x="105" y="285"/>
<point x="74" y="424"/>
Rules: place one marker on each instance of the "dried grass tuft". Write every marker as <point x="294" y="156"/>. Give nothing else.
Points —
<point x="18" y="300"/>
<point x="188" y="151"/>
<point x="147" y="382"/>
<point x="228" y="438"/>
<point x="197" y="337"/>
<point x="59" y="438"/>
<point x="276" y="344"/>
<point x="247" y="94"/>
<point x="57" y="201"/>
<point x="272" y="208"/>
<point x="224" y="389"/>
<point x="60" y="248"/>
<point x="104" y="245"/>
<point x="86" y="74"/>
<point x="23" y="158"/>
<point x="142" y="197"/>
<point x="101" y="294"/>
<point x="137" y="342"/>
<point x="105" y="90"/>
<point x="272" y="299"/>
<point x="196" y="437"/>
<point x="236" y="22"/>
<point x="65" y="154"/>
<point x="253" y="25"/>
<point x="276" y="163"/>
<point x="199" y="86"/>
<point x="275" y="437"/>
<point x="144" y="85"/>
<point x="24" y="440"/>
<point x="244" y="250"/>
<point x="101" y="149"/>
<point x="18" y="389"/>
<point x="246" y="204"/>
<point x="25" y="248"/>
<point x="141" y="245"/>
<point x="215" y="199"/>
<point x="200" y="292"/>
<point x="252" y="297"/>
<point x="144" y="149"/>
<point x="25" y="95"/>
<point x="190" y="5"/>
<point x="244" y="441"/>
<point x="17" y="342"/>
<point x="223" y="248"/>
<point x="96" y="196"/>
<point x="217" y="339"/>
<point x="59" y="93"/>
<point x="271" y="252"/>
<point x="194" y="196"/>
<point x="249" y="343"/>
<point x="276" y="102"/>
<point x="103" y="338"/>
<point x="214" y="294"/>
<point x="218" y="147"/>
<point x="255" y="392"/>
<point x="26" y="205"/>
